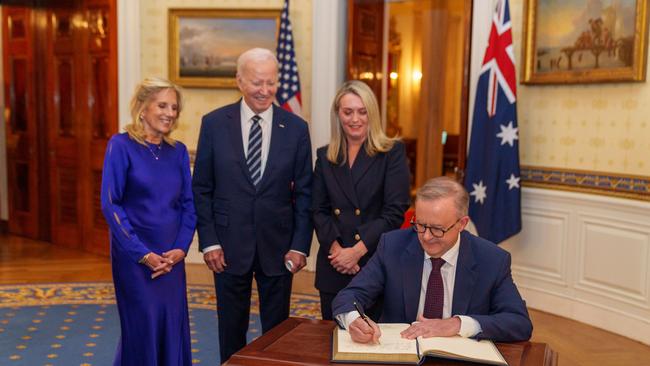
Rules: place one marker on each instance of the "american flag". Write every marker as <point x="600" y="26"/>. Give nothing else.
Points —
<point x="288" y="95"/>
<point x="492" y="174"/>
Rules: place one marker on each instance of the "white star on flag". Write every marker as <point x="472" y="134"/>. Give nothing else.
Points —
<point x="479" y="192"/>
<point x="508" y="134"/>
<point x="513" y="182"/>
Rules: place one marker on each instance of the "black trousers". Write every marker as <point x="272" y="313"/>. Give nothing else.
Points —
<point x="326" y="298"/>
<point x="234" y="302"/>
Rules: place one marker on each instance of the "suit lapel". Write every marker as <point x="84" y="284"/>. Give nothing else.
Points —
<point x="361" y="165"/>
<point x="234" y="129"/>
<point x="343" y="176"/>
<point x="278" y="139"/>
<point x="411" y="263"/>
<point x="466" y="276"/>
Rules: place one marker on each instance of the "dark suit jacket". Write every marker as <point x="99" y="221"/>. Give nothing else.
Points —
<point x="483" y="289"/>
<point x="378" y="187"/>
<point x="268" y="221"/>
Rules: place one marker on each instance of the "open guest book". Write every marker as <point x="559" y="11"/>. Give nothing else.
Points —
<point x="395" y="349"/>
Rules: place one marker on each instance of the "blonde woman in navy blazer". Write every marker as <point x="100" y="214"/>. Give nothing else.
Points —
<point x="360" y="190"/>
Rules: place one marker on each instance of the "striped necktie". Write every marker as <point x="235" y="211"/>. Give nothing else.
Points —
<point x="254" y="159"/>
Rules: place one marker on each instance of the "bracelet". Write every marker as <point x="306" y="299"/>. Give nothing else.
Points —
<point x="143" y="260"/>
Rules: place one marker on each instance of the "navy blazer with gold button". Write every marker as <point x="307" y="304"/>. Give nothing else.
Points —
<point x="357" y="203"/>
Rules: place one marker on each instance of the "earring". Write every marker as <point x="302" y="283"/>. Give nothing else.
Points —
<point x="141" y="117"/>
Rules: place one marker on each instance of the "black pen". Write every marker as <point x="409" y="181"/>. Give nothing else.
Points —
<point x="362" y="314"/>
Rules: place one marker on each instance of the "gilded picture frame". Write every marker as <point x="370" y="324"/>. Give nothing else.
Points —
<point x="582" y="41"/>
<point x="204" y="43"/>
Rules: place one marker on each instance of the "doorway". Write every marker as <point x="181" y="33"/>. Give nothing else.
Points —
<point x="422" y="48"/>
<point x="60" y="71"/>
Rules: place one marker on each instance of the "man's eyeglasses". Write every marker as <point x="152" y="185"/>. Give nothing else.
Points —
<point x="437" y="232"/>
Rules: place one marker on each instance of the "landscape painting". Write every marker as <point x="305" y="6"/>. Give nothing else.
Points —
<point x="582" y="41"/>
<point x="205" y="44"/>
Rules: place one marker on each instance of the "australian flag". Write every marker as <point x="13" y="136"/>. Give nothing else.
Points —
<point x="288" y="95"/>
<point x="492" y="175"/>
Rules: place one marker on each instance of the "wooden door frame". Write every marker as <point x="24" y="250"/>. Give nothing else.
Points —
<point x="465" y="97"/>
<point x="23" y="149"/>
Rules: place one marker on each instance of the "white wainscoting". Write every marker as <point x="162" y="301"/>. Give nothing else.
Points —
<point x="585" y="257"/>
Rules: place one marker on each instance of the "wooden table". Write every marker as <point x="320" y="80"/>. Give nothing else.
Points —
<point x="298" y="341"/>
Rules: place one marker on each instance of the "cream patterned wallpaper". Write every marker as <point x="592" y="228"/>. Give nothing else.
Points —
<point x="598" y="127"/>
<point x="200" y="101"/>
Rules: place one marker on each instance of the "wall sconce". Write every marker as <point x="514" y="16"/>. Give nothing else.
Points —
<point x="417" y="75"/>
<point x="366" y="75"/>
<point x="393" y="75"/>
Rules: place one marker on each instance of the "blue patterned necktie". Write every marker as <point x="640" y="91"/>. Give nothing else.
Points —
<point x="254" y="159"/>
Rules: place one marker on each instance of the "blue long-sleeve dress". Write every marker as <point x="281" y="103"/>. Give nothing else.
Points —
<point x="147" y="201"/>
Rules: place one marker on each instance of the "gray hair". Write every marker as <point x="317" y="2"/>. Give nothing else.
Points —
<point x="255" y="55"/>
<point x="443" y="187"/>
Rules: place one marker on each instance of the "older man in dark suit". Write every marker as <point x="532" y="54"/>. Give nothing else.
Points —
<point x="252" y="192"/>
<point x="444" y="279"/>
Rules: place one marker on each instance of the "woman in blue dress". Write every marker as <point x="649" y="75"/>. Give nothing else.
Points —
<point x="147" y="201"/>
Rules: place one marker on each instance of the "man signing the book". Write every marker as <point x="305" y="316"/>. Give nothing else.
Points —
<point x="442" y="279"/>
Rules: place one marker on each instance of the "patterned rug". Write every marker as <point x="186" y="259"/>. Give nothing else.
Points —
<point x="78" y="324"/>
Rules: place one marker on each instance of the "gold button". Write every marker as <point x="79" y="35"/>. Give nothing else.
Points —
<point x="357" y="212"/>
<point x="337" y="211"/>
<point x="357" y="237"/>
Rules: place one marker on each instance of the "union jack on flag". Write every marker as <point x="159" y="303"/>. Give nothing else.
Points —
<point x="492" y="176"/>
<point x="288" y="95"/>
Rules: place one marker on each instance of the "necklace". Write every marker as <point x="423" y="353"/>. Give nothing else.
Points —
<point x="158" y="147"/>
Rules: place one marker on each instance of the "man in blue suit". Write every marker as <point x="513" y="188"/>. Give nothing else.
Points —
<point x="440" y="278"/>
<point x="252" y="192"/>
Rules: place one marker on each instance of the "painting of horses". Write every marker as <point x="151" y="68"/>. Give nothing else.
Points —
<point x="584" y="41"/>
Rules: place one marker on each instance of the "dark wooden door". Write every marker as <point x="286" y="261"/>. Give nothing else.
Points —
<point x="82" y="108"/>
<point x="20" y="113"/>
<point x="66" y="133"/>
<point x="101" y="113"/>
<point x="58" y="131"/>
<point x="365" y="42"/>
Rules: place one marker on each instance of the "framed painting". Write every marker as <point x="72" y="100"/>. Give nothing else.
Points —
<point x="584" y="41"/>
<point x="204" y="43"/>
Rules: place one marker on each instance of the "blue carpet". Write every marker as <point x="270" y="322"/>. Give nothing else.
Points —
<point x="78" y="323"/>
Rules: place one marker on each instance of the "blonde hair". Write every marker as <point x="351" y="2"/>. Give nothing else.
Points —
<point x="376" y="141"/>
<point x="444" y="187"/>
<point x="142" y="97"/>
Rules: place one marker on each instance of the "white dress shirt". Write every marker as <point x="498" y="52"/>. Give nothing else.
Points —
<point x="246" y="119"/>
<point x="266" y="122"/>
<point x="469" y="327"/>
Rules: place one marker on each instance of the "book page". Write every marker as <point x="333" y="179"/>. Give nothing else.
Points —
<point x="390" y="342"/>
<point x="462" y="347"/>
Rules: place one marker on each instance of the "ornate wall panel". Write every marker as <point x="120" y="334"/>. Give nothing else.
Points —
<point x="68" y="192"/>
<point x="614" y="257"/>
<point x="540" y="254"/>
<point x="585" y="257"/>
